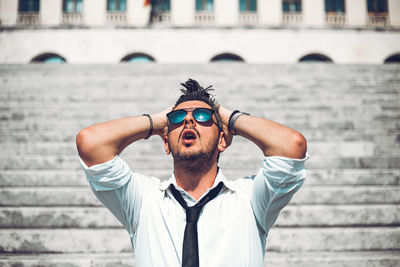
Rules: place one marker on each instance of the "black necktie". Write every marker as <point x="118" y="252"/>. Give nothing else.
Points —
<point x="190" y="251"/>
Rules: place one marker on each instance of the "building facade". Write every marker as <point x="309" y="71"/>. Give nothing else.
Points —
<point x="200" y="31"/>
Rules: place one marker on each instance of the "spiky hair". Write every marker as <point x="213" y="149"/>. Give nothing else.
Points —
<point x="194" y="91"/>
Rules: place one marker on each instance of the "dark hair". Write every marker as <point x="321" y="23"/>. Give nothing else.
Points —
<point x="194" y="91"/>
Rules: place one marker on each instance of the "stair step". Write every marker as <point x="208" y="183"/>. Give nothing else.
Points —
<point x="44" y="178"/>
<point x="162" y="161"/>
<point x="387" y="140"/>
<point x="325" y="149"/>
<point x="291" y="216"/>
<point x="320" y="259"/>
<point x="107" y="86"/>
<point x="315" y="111"/>
<point x="289" y="90"/>
<point x="307" y="115"/>
<point x="82" y="196"/>
<point x="279" y="240"/>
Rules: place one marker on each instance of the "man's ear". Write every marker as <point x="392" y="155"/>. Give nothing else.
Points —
<point x="166" y="146"/>
<point x="222" y="144"/>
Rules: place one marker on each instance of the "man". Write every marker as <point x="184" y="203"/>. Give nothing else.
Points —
<point x="197" y="217"/>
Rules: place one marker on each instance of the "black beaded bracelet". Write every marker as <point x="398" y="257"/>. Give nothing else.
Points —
<point x="232" y="120"/>
<point x="230" y="125"/>
<point x="151" y="125"/>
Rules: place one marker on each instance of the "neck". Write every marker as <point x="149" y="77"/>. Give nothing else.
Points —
<point x="196" y="180"/>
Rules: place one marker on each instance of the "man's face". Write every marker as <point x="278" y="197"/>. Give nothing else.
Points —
<point x="191" y="140"/>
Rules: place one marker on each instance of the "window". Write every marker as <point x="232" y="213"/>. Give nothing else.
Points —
<point x="335" y="6"/>
<point x="73" y="6"/>
<point x="116" y="14"/>
<point x="315" y="58"/>
<point x="138" y="58"/>
<point x="335" y="12"/>
<point x="204" y="12"/>
<point x="291" y="14"/>
<point x="291" y="5"/>
<point x="248" y="5"/>
<point x="28" y="12"/>
<point x="72" y="12"/>
<point x="116" y="5"/>
<point x="160" y="11"/>
<point x="227" y="57"/>
<point x="161" y="5"/>
<point x="377" y="6"/>
<point x="393" y="59"/>
<point x="48" y="58"/>
<point x="204" y="5"/>
<point x="28" y="5"/>
<point x="377" y="12"/>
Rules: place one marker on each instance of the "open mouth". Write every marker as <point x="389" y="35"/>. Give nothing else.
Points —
<point x="188" y="137"/>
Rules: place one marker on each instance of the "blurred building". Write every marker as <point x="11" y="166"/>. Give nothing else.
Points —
<point x="200" y="31"/>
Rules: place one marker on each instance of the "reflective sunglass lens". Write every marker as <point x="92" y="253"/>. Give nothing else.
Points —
<point x="177" y="116"/>
<point x="202" y="115"/>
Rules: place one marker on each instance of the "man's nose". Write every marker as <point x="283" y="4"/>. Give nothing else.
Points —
<point x="189" y="119"/>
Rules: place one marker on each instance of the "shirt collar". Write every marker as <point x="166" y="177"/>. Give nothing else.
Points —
<point x="220" y="178"/>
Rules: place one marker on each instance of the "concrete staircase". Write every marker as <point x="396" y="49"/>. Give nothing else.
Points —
<point x="347" y="213"/>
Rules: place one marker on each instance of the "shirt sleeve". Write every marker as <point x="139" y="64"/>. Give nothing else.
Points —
<point x="274" y="186"/>
<point x="119" y="189"/>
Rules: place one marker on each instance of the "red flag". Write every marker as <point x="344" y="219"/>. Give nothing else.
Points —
<point x="146" y="2"/>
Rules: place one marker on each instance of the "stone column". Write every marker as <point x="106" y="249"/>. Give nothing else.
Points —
<point x="8" y="12"/>
<point x="313" y="12"/>
<point x="137" y="14"/>
<point x="356" y="12"/>
<point x="226" y="12"/>
<point x="394" y="12"/>
<point x="182" y="12"/>
<point x="270" y="12"/>
<point x="50" y="12"/>
<point x="94" y="12"/>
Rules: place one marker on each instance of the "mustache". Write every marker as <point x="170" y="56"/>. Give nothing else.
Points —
<point x="186" y="127"/>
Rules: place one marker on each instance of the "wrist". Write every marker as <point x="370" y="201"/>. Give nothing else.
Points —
<point x="159" y="123"/>
<point x="232" y="120"/>
<point x="151" y="125"/>
<point x="224" y="113"/>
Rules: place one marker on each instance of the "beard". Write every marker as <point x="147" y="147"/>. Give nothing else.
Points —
<point x="195" y="161"/>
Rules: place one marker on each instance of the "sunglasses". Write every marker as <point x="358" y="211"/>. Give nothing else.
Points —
<point x="199" y="114"/>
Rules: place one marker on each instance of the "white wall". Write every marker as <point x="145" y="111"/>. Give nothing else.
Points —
<point x="137" y="14"/>
<point x="50" y="12"/>
<point x="94" y="12"/>
<point x="226" y="12"/>
<point x="8" y="12"/>
<point x="191" y="46"/>
<point x="313" y="12"/>
<point x="270" y="12"/>
<point x="182" y="12"/>
<point x="394" y="12"/>
<point x="356" y="11"/>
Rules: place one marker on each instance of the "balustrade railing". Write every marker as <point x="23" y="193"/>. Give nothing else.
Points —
<point x="162" y="17"/>
<point x="28" y="18"/>
<point x="377" y="19"/>
<point x="335" y="19"/>
<point x="72" y="18"/>
<point x="291" y="18"/>
<point x="204" y="17"/>
<point x="248" y="18"/>
<point x="116" y="17"/>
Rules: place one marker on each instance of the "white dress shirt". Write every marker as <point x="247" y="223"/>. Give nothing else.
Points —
<point x="232" y="228"/>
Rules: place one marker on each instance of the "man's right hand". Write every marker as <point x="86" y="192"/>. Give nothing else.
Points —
<point x="160" y="122"/>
